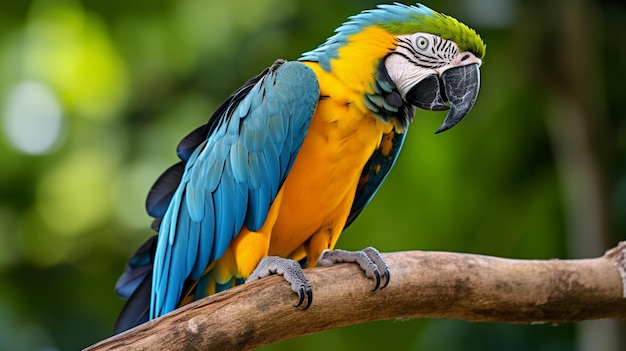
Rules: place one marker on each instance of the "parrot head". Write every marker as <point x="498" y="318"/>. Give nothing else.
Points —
<point x="411" y="53"/>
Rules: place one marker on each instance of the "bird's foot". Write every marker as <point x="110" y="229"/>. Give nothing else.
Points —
<point x="291" y="271"/>
<point x="368" y="259"/>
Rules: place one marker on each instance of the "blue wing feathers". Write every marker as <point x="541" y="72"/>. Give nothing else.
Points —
<point x="213" y="173"/>
<point x="276" y="130"/>
<point x="205" y="238"/>
<point x="233" y="168"/>
<point x="170" y="230"/>
<point x="195" y="199"/>
<point x="239" y="162"/>
<point x="241" y="199"/>
<point x="244" y="106"/>
<point x="161" y="260"/>
<point x="260" y="196"/>
<point x="252" y="218"/>
<point x="270" y="163"/>
<point x="202" y="286"/>
<point x="285" y="157"/>
<point x="255" y="170"/>
<point x="137" y="307"/>
<point x="188" y="225"/>
<point x="182" y="200"/>
<point x="137" y="269"/>
<point x="254" y="136"/>
<point x="191" y="142"/>
<point x="177" y="254"/>
<point x="163" y="190"/>
<point x="225" y="206"/>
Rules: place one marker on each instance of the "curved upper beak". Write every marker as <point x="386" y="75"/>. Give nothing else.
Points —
<point x="455" y="89"/>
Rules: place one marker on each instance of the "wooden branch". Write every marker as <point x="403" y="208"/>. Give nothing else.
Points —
<point x="423" y="284"/>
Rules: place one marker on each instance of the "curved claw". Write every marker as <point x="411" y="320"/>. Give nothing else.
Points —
<point x="291" y="271"/>
<point x="377" y="280"/>
<point x="387" y="277"/>
<point x="300" y="297"/>
<point x="309" y="295"/>
<point x="374" y="255"/>
<point x="368" y="259"/>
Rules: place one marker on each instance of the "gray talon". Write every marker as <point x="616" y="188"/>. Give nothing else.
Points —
<point x="291" y="271"/>
<point x="368" y="259"/>
<point x="309" y="294"/>
<point x="374" y="255"/>
<point x="300" y="297"/>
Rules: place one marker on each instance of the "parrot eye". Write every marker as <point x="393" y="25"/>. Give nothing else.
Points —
<point x="421" y="43"/>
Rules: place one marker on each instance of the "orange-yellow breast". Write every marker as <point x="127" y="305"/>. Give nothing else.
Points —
<point x="319" y="190"/>
<point x="314" y="202"/>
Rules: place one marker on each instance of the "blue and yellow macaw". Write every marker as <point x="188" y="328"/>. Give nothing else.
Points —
<point x="290" y="159"/>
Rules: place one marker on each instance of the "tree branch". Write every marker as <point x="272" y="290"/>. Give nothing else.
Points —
<point x="423" y="284"/>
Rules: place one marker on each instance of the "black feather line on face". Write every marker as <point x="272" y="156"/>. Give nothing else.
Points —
<point x="441" y="53"/>
<point x="386" y="102"/>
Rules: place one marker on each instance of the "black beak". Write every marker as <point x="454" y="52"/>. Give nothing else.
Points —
<point x="458" y="86"/>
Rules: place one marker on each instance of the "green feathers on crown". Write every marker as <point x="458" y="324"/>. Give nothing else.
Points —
<point x="422" y="19"/>
<point x="399" y="19"/>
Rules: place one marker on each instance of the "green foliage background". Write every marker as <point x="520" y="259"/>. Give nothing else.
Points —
<point x="128" y="79"/>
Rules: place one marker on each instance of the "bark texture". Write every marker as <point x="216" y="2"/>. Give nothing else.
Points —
<point x="423" y="285"/>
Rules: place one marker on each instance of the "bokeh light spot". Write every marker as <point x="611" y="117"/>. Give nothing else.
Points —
<point x="33" y="120"/>
<point x="70" y="49"/>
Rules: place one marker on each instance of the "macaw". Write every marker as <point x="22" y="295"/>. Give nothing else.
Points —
<point x="292" y="157"/>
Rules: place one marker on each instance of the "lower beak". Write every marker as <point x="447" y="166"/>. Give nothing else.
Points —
<point x="456" y="89"/>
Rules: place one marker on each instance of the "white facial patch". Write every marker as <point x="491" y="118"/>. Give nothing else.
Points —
<point x="420" y="55"/>
<point x="405" y="74"/>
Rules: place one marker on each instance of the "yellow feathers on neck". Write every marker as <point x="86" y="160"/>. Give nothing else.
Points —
<point x="359" y="58"/>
